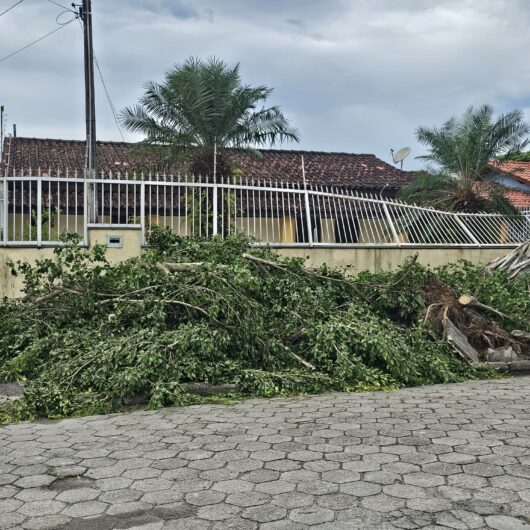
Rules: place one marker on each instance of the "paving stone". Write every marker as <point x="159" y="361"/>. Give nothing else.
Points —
<point x="11" y="520"/>
<point x="312" y="515"/>
<point x="233" y="486"/>
<point x="9" y="505"/>
<point x="264" y="514"/>
<point x="8" y="491"/>
<point x="361" y="488"/>
<point x="38" y="508"/>
<point x="318" y="487"/>
<point x="442" y="468"/>
<point x="235" y="523"/>
<point x="34" y="481"/>
<point x="77" y="495"/>
<point x="84" y="509"/>
<point x="156" y="497"/>
<point x="275" y="487"/>
<point x="446" y="456"/>
<point x="117" y="496"/>
<point x="429" y="504"/>
<point x="205" y="497"/>
<point x="260" y="475"/>
<point x="483" y="470"/>
<point x="247" y="499"/>
<point x="174" y="510"/>
<point x="132" y="508"/>
<point x="382" y="503"/>
<point x="504" y="522"/>
<point x="46" y="522"/>
<point x="337" y="501"/>
<point x="150" y="484"/>
<point x="459" y="519"/>
<point x="341" y="476"/>
<point x="425" y="480"/>
<point x="292" y="499"/>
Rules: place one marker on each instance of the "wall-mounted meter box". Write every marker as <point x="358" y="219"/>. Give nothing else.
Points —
<point x="114" y="241"/>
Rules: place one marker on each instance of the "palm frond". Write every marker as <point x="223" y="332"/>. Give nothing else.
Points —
<point x="461" y="151"/>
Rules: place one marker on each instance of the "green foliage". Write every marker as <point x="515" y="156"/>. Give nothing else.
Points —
<point x="49" y="231"/>
<point x="461" y="150"/>
<point x="520" y="156"/>
<point x="202" y="106"/>
<point x="90" y="335"/>
<point x="510" y="297"/>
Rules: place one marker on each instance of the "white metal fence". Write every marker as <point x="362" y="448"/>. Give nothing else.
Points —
<point x="36" y="210"/>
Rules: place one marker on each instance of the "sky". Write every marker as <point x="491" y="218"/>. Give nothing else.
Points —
<point x="356" y="76"/>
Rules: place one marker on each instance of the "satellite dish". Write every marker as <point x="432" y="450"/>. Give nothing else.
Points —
<point x="400" y="155"/>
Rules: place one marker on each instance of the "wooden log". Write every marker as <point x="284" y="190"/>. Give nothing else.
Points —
<point x="468" y="300"/>
<point x="520" y="334"/>
<point x="459" y="341"/>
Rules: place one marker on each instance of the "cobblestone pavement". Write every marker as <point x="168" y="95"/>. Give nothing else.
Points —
<point x="448" y="456"/>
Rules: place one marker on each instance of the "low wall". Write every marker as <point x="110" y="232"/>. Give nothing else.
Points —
<point x="11" y="286"/>
<point x="373" y="259"/>
<point x="352" y="260"/>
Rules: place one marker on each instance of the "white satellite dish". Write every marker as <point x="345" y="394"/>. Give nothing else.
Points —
<point x="400" y="155"/>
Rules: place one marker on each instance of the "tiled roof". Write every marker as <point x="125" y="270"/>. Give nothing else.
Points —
<point x="518" y="198"/>
<point x="517" y="170"/>
<point x="361" y="171"/>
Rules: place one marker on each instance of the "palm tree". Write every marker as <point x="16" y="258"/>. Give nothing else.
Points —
<point x="203" y="108"/>
<point x="461" y="151"/>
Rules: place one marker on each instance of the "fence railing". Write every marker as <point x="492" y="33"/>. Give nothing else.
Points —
<point x="36" y="210"/>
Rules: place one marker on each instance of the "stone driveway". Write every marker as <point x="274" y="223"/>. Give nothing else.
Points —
<point x="447" y="456"/>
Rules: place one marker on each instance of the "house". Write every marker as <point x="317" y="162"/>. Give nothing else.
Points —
<point x="280" y="197"/>
<point x="515" y="176"/>
<point x="271" y="216"/>
<point x="359" y="172"/>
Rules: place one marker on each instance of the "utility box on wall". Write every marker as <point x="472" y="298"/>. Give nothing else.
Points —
<point x="114" y="241"/>
<point x="122" y="242"/>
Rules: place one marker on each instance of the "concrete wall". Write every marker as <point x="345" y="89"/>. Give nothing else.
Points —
<point x="11" y="286"/>
<point x="383" y="259"/>
<point x="353" y="260"/>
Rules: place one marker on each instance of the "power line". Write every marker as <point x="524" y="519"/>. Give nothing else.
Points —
<point x="10" y="8"/>
<point x="109" y="99"/>
<point x="111" y="104"/>
<point x="61" y="5"/>
<point x="36" y="41"/>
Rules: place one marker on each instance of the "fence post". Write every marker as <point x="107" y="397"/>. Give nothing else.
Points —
<point x="5" y="207"/>
<point x="85" y="213"/>
<point x="307" y="210"/>
<point x="39" y="211"/>
<point x="391" y="223"/>
<point x="466" y="230"/>
<point x="215" y="208"/>
<point x="142" y="212"/>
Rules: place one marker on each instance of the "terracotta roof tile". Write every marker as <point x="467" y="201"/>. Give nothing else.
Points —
<point x="518" y="170"/>
<point x="361" y="171"/>
<point x="519" y="199"/>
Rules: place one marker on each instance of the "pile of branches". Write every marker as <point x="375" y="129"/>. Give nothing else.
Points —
<point x="191" y="313"/>
<point x="514" y="263"/>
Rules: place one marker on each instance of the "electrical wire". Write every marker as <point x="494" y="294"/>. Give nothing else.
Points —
<point x="107" y="94"/>
<point x="64" y="7"/>
<point x="10" y="8"/>
<point x="111" y="104"/>
<point x="36" y="41"/>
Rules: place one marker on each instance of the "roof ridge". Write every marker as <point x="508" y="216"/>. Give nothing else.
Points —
<point x="271" y="150"/>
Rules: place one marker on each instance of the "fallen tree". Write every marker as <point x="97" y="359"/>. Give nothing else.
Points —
<point x="197" y="314"/>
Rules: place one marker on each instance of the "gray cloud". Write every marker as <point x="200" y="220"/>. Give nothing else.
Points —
<point x="352" y="75"/>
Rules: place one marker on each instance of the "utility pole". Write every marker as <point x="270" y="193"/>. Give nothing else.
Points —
<point x="1" y="129"/>
<point x="85" y="13"/>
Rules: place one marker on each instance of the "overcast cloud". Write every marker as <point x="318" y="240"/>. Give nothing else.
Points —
<point x="351" y="75"/>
